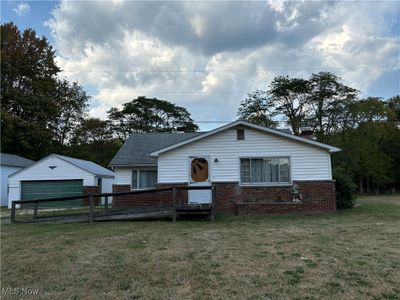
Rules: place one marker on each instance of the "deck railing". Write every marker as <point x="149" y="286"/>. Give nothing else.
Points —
<point x="91" y="197"/>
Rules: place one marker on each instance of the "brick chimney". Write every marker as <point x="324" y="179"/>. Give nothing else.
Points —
<point x="307" y="132"/>
<point x="181" y="129"/>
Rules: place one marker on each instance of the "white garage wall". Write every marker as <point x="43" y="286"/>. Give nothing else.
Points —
<point x="41" y="171"/>
<point x="5" y="172"/>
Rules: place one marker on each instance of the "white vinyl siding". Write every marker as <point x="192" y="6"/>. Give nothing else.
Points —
<point x="5" y="172"/>
<point x="123" y="175"/>
<point x="60" y="170"/>
<point x="306" y="162"/>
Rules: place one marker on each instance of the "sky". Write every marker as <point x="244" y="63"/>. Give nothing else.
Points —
<point x="207" y="55"/>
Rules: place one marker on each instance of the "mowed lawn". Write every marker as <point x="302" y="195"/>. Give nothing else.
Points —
<point x="354" y="254"/>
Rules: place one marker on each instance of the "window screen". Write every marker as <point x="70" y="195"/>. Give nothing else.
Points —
<point x="144" y="179"/>
<point x="265" y="170"/>
<point x="240" y="133"/>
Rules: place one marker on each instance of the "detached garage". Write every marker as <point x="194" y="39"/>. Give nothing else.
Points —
<point x="59" y="176"/>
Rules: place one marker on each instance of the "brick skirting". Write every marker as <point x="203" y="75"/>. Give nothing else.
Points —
<point x="87" y="190"/>
<point x="319" y="196"/>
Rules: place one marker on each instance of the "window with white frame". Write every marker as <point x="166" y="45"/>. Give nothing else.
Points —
<point x="144" y="179"/>
<point x="265" y="170"/>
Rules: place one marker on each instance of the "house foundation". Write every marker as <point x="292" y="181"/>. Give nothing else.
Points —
<point x="233" y="198"/>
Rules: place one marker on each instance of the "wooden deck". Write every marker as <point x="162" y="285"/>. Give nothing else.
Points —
<point x="127" y="214"/>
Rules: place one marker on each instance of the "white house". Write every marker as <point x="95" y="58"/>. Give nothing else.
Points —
<point x="247" y="163"/>
<point x="59" y="176"/>
<point x="10" y="164"/>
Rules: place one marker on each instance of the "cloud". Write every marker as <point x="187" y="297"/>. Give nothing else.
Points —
<point x="22" y="9"/>
<point x="206" y="56"/>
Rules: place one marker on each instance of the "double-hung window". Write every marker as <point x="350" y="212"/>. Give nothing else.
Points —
<point x="144" y="179"/>
<point x="265" y="170"/>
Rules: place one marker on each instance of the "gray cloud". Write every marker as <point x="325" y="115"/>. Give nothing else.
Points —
<point x="184" y="51"/>
<point x="209" y="27"/>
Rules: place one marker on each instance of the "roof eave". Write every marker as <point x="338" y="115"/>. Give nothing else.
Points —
<point x="14" y="165"/>
<point x="331" y="149"/>
<point x="133" y="165"/>
<point x="105" y="176"/>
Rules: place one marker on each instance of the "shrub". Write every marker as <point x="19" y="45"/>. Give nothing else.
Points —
<point x="344" y="189"/>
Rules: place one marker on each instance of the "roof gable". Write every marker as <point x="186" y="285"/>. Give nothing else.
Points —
<point x="137" y="148"/>
<point x="254" y="126"/>
<point x="85" y="165"/>
<point x="15" y="160"/>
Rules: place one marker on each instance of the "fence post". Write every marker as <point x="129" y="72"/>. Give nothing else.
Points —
<point x="105" y="203"/>
<point x="213" y="203"/>
<point x="91" y="203"/>
<point x="35" y="210"/>
<point x="12" y="212"/>
<point x="174" y="204"/>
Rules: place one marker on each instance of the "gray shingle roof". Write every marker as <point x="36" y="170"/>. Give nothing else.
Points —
<point x="87" y="165"/>
<point x="15" y="160"/>
<point x="137" y="148"/>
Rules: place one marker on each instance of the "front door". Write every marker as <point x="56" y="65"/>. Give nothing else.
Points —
<point x="199" y="175"/>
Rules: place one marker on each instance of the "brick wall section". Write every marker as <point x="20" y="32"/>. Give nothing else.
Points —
<point x="87" y="190"/>
<point x="319" y="196"/>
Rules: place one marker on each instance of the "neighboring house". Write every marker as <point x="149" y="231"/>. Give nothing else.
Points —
<point x="59" y="176"/>
<point x="253" y="168"/>
<point x="10" y="164"/>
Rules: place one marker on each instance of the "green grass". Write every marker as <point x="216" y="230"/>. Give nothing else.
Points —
<point x="353" y="254"/>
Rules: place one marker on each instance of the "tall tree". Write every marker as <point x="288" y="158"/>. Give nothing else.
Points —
<point x="92" y="130"/>
<point x="39" y="111"/>
<point x="394" y="104"/>
<point x="90" y="136"/>
<point x="149" y="115"/>
<point x="28" y="79"/>
<point x="370" y="144"/>
<point x="72" y="102"/>
<point x="290" y="96"/>
<point x="257" y="108"/>
<point x="328" y="100"/>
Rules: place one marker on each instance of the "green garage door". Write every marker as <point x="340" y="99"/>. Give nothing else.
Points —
<point x="31" y="190"/>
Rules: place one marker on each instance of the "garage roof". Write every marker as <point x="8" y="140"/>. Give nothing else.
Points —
<point x="87" y="165"/>
<point x="15" y="160"/>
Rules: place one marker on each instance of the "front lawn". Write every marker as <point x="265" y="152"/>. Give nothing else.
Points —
<point x="354" y="254"/>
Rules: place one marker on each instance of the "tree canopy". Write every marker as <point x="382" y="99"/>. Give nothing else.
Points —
<point x="367" y="130"/>
<point x="39" y="111"/>
<point x="149" y="115"/>
<point x="258" y="108"/>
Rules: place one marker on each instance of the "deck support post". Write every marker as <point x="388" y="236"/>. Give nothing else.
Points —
<point x="35" y="210"/>
<point x="213" y="203"/>
<point x="106" y="203"/>
<point x="174" y="204"/>
<point x="91" y="203"/>
<point x="12" y="212"/>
